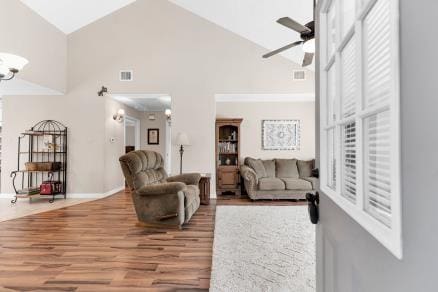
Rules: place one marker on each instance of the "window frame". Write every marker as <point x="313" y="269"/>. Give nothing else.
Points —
<point x="390" y="237"/>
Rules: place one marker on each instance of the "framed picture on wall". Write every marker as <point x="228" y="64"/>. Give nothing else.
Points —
<point x="281" y="134"/>
<point x="153" y="136"/>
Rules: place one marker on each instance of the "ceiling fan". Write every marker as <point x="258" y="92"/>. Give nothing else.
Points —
<point x="307" y="34"/>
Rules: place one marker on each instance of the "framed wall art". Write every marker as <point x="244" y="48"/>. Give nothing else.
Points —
<point x="281" y="134"/>
<point x="153" y="136"/>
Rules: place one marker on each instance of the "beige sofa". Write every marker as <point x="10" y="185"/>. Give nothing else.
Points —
<point x="278" y="178"/>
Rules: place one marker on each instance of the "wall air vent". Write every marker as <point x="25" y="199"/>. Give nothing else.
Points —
<point x="126" y="75"/>
<point x="299" y="75"/>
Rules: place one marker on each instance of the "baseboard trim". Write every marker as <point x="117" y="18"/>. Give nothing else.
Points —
<point x="213" y="196"/>
<point x="95" y="195"/>
<point x="78" y="195"/>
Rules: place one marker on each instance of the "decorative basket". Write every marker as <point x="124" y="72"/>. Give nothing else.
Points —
<point x="42" y="166"/>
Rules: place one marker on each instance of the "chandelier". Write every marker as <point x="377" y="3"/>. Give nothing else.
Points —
<point x="10" y="65"/>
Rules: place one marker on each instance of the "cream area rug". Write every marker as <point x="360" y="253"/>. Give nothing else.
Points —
<point x="263" y="248"/>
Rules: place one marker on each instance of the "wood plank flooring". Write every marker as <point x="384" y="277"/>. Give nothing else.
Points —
<point x="96" y="246"/>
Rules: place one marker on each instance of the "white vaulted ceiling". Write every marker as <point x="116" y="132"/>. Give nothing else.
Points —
<point x="71" y="15"/>
<point x="254" y="20"/>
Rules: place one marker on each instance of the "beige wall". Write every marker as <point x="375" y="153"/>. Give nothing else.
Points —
<point x="170" y="50"/>
<point x="25" y="33"/>
<point x="251" y="129"/>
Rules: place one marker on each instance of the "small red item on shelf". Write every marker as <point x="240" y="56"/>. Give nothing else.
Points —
<point x="50" y="187"/>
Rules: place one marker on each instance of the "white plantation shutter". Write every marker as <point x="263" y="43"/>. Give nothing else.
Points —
<point x="331" y="170"/>
<point x="360" y="139"/>
<point x="378" y="167"/>
<point x="349" y="161"/>
<point x="377" y="56"/>
<point x="331" y="94"/>
<point x="349" y="84"/>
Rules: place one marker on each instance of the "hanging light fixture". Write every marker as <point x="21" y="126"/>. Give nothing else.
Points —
<point x="10" y="65"/>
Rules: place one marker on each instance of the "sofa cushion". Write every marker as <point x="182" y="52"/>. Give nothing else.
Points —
<point x="269" y="167"/>
<point x="271" y="184"/>
<point x="313" y="180"/>
<point x="258" y="167"/>
<point x="286" y="168"/>
<point x="305" y="167"/>
<point x="296" y="184"/>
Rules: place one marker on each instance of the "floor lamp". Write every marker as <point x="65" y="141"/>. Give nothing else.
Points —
<point x="182" y="140"/>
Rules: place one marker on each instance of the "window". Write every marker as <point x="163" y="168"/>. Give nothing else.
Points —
<point x="360" y="140"/>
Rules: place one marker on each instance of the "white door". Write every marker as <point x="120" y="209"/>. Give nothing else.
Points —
<point x="133" y="122"/>
<point x="364" y="240"/>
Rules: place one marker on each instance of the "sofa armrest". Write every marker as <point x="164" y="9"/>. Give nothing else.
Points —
<point x="249" y="176"/>
<point x="161" y="189"/>
<point x="187" y="178"/>
<point x="315" y="172"/>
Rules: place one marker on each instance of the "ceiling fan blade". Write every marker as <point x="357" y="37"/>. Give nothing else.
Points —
<point x="308" y="59"/>
<point x="292" y="24"/>
<point x="294" y="44"/>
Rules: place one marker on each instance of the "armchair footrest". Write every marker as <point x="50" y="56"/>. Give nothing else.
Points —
<point x="165" y="217"/>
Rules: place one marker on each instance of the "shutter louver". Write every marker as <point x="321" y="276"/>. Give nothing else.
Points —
<point x="349" y="84"/>
<point x="377" y="57"/>
<point x="349" y="162"/>
<point x="331" y="100"/>
<point x="331" y="171"/>
<point x="377" y="173"/>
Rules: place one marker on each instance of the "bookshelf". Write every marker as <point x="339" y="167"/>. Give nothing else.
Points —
<point x="228" y="156"/>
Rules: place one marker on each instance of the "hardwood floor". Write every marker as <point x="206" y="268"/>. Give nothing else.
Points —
<point x="96" y="246"/>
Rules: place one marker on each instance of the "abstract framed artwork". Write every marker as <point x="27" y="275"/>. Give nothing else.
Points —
<point x="281" y="134"/>
<point x="153" y="136"/>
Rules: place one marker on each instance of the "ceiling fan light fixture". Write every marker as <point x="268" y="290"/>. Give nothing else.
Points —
<point x="309" y="46"/>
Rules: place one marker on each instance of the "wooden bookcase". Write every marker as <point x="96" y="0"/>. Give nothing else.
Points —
<point x="228" y="156"/>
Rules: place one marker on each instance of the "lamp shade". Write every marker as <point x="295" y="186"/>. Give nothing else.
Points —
<point x="182" y="139"/>
<point x="11" y="61"/>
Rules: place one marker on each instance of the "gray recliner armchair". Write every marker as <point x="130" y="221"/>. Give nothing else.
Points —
<point x="159" y="199"/>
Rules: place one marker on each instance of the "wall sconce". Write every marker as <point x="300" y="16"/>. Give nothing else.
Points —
<point x="10" y="65"/>
<point x="119" y="116"/>
<point x="168" y="114"/>
<point x="102" y="91"/>
<point x="151" y="117"/>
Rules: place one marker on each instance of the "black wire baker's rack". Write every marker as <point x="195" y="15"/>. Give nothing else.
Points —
<point x="45" y="142"/>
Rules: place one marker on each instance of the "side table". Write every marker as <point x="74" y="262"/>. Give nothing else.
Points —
<point x="204" y="189"/>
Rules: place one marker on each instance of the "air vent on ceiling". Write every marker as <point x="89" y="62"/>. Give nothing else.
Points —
<point x="126" y="75"/>
<point x="299" y="75"/>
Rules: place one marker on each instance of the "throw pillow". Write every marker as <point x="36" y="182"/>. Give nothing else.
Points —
<point x="305" y="167"/>
<point x="269" y="167"/>
<point x="258" y="167"/>
<point x="287" y="168"/>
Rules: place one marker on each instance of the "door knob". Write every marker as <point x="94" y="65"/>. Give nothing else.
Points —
<point x="313" y="207"/>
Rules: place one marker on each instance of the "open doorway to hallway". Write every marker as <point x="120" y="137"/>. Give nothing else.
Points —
<point x="132" y="134"/>
<point x="147" y="123"/>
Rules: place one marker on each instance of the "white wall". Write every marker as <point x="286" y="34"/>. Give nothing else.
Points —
<point x="251" y="129"/>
